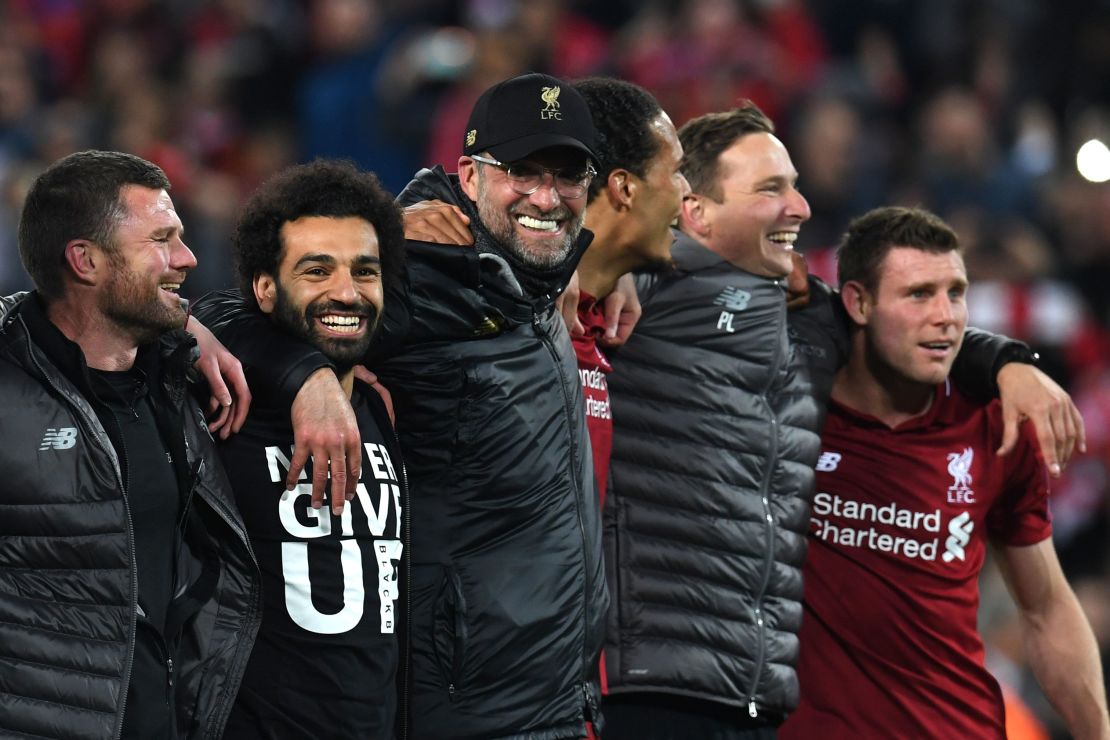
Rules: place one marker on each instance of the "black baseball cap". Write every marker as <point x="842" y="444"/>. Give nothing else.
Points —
<point x="522" y="115"/>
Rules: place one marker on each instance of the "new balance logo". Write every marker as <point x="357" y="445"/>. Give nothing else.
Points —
<point x="733" y="299"/>
<point x="959" y="534"/>
<point x="61" y="438"/>
<point x="828" y="461"/>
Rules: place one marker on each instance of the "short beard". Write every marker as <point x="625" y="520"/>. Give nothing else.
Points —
<point x="136" y="306"/>
<point x="344" y="354"/>
<point x="500" y="226"/>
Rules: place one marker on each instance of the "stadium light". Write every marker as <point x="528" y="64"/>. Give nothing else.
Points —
<point x="1093" y="161"/>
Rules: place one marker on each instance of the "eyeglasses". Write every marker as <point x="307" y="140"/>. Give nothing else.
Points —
<point x="526" y="178"/>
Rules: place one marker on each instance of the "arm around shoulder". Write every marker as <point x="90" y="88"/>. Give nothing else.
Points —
<point x="278" y="363"/>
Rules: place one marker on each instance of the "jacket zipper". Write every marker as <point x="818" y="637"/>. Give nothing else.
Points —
<point x="769" y="520"/>
<point x="568" y="408"/>
<point x="91" y="425"/>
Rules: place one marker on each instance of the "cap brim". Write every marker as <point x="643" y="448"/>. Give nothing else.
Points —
<point x="524" y="146"/>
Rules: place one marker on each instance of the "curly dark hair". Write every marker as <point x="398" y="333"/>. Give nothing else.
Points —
<point x="871" y="237"/>
<point x="623" y="114"/>
<point x="77" y="197"/>
<point x="331" y="188"/>
<point x="706" y="137"/>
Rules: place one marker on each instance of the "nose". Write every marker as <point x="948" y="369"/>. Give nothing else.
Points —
<point x="546" y="196"/>
<point x="342" y="288"/>
<point x="182" y="257"/>
<point x="944" y="310"/>
<point x="684" y="188"/>
<point x="797" y="207"/>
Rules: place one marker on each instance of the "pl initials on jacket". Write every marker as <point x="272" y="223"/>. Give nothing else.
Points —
<point x="69" y="603"/>
<point x="705" y="521"/>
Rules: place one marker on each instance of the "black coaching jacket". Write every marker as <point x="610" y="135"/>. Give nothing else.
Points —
<point x="68" y="591"/>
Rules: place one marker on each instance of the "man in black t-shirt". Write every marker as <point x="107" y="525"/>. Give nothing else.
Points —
<point x="315" y="246"/>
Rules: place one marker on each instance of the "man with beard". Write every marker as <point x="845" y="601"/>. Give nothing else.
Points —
<point x="508" y="594"/>
<point x="316" y="248"/>
<point x="128" y="595"/>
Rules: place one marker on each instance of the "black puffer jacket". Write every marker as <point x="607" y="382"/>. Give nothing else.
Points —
<point x="709" y="500"/>
<point x="68" y="591"/>
<point x="508" y="594"/>
<point x="718" y="399"/>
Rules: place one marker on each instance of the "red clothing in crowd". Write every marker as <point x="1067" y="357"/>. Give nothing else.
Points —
<point x="593" y="366"/>
<point x="901" y="521"/>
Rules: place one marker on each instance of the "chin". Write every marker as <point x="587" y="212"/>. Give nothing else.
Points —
<point x="934" y="376"/>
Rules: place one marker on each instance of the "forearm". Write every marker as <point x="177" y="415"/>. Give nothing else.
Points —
<point x="982" y="355"/>
<point x="1063" y="654"/>
<point x="277" y="363"/>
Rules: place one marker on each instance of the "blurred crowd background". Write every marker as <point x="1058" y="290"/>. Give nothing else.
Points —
<point x="974" y="109"/>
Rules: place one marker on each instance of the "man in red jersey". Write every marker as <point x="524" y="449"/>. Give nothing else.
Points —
<point x="909" y="494"/>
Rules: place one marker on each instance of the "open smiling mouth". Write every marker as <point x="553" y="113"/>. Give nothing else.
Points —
<point x="170" y="287"/>
<point x="338" y="324"/>
<point x="784" y="239"/>
<point x="532" y="223"/>
<point x="936" y="347"/>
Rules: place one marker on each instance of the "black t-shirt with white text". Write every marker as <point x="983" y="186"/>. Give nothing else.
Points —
<point x="325" y="661"/>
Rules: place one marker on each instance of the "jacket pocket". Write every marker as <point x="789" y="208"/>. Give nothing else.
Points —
<point x="450" y="633"/>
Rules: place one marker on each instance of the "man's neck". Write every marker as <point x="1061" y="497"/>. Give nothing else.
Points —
<point x="104" y="344"/>
<point x="879" y="392"/>
<point x="607" y="258"/>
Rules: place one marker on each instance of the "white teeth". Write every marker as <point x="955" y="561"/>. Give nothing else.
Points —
<point x="535" y="223"/>
<point x="345" y="324"/>
<point x="783" y="237"/>
<point x="172" y="287"/>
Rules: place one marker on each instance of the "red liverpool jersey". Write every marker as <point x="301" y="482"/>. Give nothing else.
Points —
<point x="593" y="366"/>
<point x="901" y="522"/>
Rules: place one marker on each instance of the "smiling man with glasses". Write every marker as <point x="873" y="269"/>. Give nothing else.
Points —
<point x="527" y="171"/>
<point x="508" y="594"/>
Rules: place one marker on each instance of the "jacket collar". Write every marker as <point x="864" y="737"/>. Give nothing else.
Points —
<point x="690" y="255"/>
<point x="436" y="183"/>
<point x="66" y="355"/>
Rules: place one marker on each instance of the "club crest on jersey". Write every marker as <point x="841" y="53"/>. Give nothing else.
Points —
<point x="959" y="467"/>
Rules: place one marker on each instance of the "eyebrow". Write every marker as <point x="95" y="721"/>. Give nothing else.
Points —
<point x="168" y="230"/>
<point x="935" y="284"/>
<point x="327" y="259"/>
<point x="778" y="180"/>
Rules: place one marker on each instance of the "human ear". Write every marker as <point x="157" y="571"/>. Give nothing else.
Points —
<point x="857" y="301"/>
<point x="468" y="177"/>
<point x="83" y="259"/>
<point x="265" y="291"/>
<point x="621" y="187"/>
<point x="694" y="216"/>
